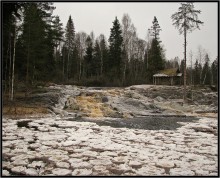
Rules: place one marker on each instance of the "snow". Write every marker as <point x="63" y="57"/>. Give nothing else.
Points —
<point x="61" y="172"/>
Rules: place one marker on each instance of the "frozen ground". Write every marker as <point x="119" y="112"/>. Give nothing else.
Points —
<point x="112" y="132"/>
<point x="54" y="146"/>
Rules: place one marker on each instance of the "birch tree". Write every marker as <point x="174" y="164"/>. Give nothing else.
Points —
<point x="13" y="63"/>
<point x="126" y="34"/>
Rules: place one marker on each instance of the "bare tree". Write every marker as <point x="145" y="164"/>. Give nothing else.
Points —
<point x="191" y="62"/>
<point x="81" y="44"/>
<point x="186" y="20"/>
<point x="126" y="27"/>
<point x="201" y="59"/>
<point x="13" y="63"/>
<point x="102" y="43"/>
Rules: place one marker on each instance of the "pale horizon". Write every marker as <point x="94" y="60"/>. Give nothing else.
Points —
<point x="98" y="17"/>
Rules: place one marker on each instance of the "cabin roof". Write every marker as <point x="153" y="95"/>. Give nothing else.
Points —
<point x="168" y="73"/>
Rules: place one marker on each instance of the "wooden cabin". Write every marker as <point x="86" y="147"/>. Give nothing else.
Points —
<point x="168" y="77"/>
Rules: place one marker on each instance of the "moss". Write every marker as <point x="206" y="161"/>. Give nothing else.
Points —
<point x="169" y="72"/>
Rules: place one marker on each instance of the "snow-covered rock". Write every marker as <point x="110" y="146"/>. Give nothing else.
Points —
<point x="61" y="172"/>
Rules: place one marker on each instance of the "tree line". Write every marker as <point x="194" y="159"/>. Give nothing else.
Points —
<point x="37" y="48"/>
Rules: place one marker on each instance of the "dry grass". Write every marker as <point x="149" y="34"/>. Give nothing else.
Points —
<point x="90" y="106"/>
<point x="93" y="107"/>
<point x="23" y="110"/>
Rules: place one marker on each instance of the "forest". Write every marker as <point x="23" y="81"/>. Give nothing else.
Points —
<point x="39" y="49"/>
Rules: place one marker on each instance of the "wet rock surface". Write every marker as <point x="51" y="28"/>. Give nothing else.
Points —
<point x="112" y="131"/>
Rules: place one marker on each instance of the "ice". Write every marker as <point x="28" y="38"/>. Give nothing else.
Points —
<point x="5" y="173"/>
<point x="62" y="165"/>
<point x="82" y="172"/>
<point x="61" y="172"/>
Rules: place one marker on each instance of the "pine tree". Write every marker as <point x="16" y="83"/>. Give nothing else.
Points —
<point x="214" y="70"/>
<point x="115" y="51"/>
<point x="89" y="69"/>
<point x="186" y="20"/>
<point x="58" y="33"/>
<point x="155" y="29"/>
<point x="196" y="74"/>
<point x="155" y="59"/>
<point x="155" y="53"/>
<point x="69" y="42"/>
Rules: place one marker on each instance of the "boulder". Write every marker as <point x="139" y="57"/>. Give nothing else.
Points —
<point x="104" y="99"/>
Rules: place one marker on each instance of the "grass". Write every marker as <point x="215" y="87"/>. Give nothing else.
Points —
<point x="23" y="110"/>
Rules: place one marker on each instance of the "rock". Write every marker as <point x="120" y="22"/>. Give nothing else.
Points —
<point x="90" y="154"/>
<point x="5" y="173"/>
<point x="62" y="165"/>
<point x="61" y="172"/>
<point x="82" y="165"/>
<point x="135" y="164"/>
<point x="165" y="164"/>
<point x="119" y="160"/>
<point x="200" y="172"/>
<point x="159" y="99"/>
<point x="31" y="172"/>
<point x="18" y="170"/>
<point x="115" y="170"/>
<point x="75" y="161"/>
<point x="181" y="172"/>
<point x="37" y="164"/>
<point x="104" y="99"/>
<point x="109" y="153"/>
<point x="70" y="143"/>
<point x="203" y="128"/>
<point x="59" y="111"/>
<point x="82" y="172"/>
<point x="104" y="162"/>
<point x="20" y="162"/>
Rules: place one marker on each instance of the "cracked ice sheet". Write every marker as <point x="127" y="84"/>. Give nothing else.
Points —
<point x="183" y="151"/>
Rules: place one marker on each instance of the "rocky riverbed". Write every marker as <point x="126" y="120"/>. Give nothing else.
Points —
<point x="138" y="130"/>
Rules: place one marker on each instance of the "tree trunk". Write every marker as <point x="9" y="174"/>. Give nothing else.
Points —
<point x="204" y="79"/>
<point x="80" y="66"/>
<point x="184" y="92"/>
<point x="68" y="64"/>
<point x="124" y="72"/>
<point x="6" y="65"/>
<point x="101" y="69"/>
<point x="13" y="67"/>
<point x="63" y="64"/>
<point x="9" y="73"/>
<point x="27" y="69"/>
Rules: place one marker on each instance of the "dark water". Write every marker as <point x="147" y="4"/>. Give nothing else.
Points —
<point x="146" y="123"/>
<point x="25" y="124"/>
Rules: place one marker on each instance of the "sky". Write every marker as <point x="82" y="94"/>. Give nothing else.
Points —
<point x="98" y="17"/>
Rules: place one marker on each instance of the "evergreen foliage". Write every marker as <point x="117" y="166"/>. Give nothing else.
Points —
<point x="155" y="29"/>
<point x="45" y="52"/>
<point x="69" y="44"/>
<point x="155" y="56"/>
<point x="115" y="51"/>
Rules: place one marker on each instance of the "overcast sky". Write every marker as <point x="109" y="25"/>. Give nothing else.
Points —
<point x="98" y="17"/>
